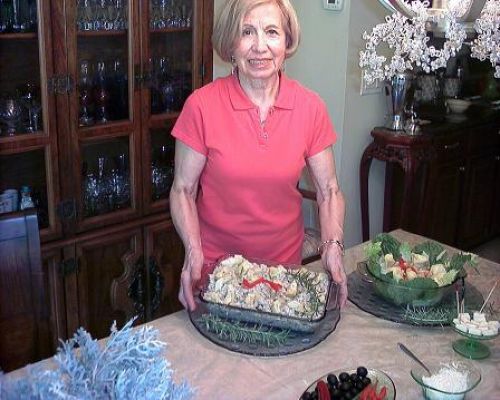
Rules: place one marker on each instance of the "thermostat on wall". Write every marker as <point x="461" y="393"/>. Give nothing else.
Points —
<point x="333" y="5"/>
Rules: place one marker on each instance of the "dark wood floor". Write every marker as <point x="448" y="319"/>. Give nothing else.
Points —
<point x="489" y="250"/>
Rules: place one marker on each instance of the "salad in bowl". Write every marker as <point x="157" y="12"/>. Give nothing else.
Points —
<point x="420" y="276"/>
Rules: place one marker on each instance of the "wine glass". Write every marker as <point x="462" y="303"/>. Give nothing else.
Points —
<point x="10" y="113"/>
<point x="29" y="99"/>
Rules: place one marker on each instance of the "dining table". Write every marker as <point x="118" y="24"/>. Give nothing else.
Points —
<point x="359" y="339"/>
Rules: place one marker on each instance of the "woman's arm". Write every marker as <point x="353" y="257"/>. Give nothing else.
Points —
<point x="188" y="167"/>
<point x="331" y="206"/>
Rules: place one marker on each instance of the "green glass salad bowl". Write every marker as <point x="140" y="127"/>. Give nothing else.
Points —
<point x="450" y="381"/>
<point x="402" y="295"/>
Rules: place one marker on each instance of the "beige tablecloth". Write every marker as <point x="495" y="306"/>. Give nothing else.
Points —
<point x="360" y="339"/>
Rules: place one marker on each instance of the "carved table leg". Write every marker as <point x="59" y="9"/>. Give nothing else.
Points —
<point x="364" y="170"/>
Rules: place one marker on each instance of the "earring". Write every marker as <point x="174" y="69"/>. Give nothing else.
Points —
<point x="283" y="66"/>
<point x="234" y="67"/>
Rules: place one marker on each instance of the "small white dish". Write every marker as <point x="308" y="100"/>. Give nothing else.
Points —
<point x="458" y="106"/>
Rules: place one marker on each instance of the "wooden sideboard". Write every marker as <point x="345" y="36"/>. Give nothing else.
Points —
<point x="443" y="184"/>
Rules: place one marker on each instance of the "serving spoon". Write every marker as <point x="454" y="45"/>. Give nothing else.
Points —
<point x="408" y="352"/>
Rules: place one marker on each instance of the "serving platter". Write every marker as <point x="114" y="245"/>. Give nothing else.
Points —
<point x="375" y="375"/>
<point x="364" y="296"/>
<point x="250" y="338"/>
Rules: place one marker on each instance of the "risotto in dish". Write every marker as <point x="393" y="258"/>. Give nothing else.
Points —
<point x="238" y="282"/>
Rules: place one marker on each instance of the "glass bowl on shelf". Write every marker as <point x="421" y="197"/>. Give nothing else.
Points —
<point x="449" y="381"/>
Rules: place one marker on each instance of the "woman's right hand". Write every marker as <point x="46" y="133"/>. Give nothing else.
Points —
<point x="190" y="277"/>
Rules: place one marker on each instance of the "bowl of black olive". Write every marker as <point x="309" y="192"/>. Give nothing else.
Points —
<point x="360" y="383"/>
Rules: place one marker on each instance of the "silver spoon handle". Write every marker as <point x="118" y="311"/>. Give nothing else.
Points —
<point x="410" y="353"/>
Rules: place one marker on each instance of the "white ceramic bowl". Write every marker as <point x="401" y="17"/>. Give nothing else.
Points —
<point x="458" y="106"/>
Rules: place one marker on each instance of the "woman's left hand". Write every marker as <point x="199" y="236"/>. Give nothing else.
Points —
<point x="333" y="262"/>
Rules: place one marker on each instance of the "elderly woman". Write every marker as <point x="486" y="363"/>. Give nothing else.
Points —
<point x="241" y="144"/>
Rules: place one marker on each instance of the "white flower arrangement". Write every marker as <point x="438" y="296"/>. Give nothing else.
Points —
<point x="487" y="43"/>
<point x="408" y="39"/>
<point x="129" y="365"/>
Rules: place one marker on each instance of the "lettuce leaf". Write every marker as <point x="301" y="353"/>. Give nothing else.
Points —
<point x="405" y="251"/>
<point x="448" y="278"/>
<point x="459" y="260"/>
<point x="433" y="250"/>
<point x="373" y="252"/>
<point x="389" y="244"/>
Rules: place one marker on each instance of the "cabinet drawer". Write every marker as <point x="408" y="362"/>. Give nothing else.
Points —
<point x="449" y="147"/>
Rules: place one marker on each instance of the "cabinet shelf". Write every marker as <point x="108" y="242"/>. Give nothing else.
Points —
<point x="158" y="121"/>
<point x="19" y="36"/>
<point x="105" y="34"/>
<point x="170" y="30"/>
<point x="23" y="140"/>
<point x="103" y="131"/>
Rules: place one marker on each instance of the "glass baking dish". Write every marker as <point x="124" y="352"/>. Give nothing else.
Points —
<point x="272" y="319"/>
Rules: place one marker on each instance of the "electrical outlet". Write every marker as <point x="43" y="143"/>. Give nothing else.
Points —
<point x="372" y="88"/>
<point x="333" y="5"/>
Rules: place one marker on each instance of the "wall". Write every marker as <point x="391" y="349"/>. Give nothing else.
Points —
<point x="327" y="62"/>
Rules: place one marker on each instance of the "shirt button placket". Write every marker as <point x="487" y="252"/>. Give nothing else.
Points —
<point x="263" y="135"/>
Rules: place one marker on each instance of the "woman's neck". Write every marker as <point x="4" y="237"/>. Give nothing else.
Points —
<point x="261" y="92"/>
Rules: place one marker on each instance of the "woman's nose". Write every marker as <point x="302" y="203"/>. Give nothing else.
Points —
<point x="260" y="43"/>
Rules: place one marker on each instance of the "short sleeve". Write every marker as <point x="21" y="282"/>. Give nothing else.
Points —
<point x="323" y="134"/>
<point x="189" y="127"/>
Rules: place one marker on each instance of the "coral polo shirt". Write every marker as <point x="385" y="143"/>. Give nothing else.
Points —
<point x="248" y="202"/>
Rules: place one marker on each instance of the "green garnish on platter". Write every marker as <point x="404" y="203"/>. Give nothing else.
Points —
<point x="245" y="332"/>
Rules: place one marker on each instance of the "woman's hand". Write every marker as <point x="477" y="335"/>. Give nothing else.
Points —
<point x="190" y="276"/>
<point x="332" y="261"/>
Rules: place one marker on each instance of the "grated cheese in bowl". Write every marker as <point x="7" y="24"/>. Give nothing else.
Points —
<point x="450" y="382"/>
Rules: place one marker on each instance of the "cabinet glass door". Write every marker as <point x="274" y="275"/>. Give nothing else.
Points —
<point x="172" y="70"/>
<point x="102" y="56"/>
<point x="102" y="61"/>
<point x="28" y="142"/>
<point x="170" y="58"/>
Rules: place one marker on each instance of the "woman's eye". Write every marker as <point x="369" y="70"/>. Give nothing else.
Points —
<point x="272" y="32"/>
<point x="247" y="32"/>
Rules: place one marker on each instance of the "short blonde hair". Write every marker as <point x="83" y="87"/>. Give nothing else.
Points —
<point x="227" y="29"/>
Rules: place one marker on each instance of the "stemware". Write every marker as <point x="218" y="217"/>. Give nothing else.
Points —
<point x="102" y="20"/>
<point x="10" y="113"/>
<point x="5" y="16"/>
<point x="85" y="17"/>
<point x="101" y="94"/>
<point x="85" y="95"/>
<point x="29" y="99"/>
<point x="120" y="21"/>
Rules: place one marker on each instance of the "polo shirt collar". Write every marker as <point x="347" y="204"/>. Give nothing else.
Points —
<point x="240" y="101"/>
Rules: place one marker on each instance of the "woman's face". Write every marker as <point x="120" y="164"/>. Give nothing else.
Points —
<point x="260" y="51"/>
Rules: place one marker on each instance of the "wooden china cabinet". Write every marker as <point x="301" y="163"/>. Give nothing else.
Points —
<point x="89" y="91"/>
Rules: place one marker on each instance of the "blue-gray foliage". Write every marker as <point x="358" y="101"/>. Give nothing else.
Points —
<point x="129" y="365"/>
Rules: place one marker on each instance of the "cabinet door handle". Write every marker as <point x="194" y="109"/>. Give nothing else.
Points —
<point x="451" y="146"/>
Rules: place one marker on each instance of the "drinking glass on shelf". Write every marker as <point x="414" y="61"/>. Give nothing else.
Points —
<point x="85" y="94"/>
<point x="16" y="15"/>
<point x="28" y="95"/>
<point x="90" y="194"/>
<point x="101" y="94"/>
<point x="120" y="21"/>
<point x="85" y="15"/>
<point x="102" y="20"/>
<point x="10" y="114"/>
<point x="5" y="16"/>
